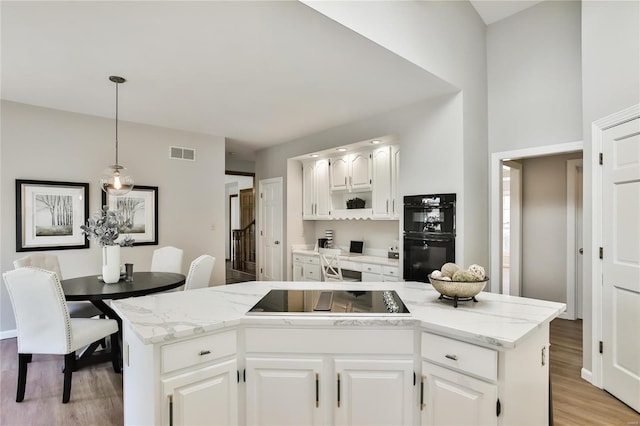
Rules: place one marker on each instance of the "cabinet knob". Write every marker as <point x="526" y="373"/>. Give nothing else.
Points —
<point x="276" y="242"/>
<point x="205" y="352"/>
<point x="453" y="357"/>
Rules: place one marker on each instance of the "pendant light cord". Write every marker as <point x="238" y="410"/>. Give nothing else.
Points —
<point x="117" y="84"/>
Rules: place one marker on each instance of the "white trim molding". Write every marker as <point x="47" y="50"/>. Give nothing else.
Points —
<point x="8" y="334"/>
<point x="572" y="174"/>
<point x="495" y="226"/>
<point x="597" y="128"/>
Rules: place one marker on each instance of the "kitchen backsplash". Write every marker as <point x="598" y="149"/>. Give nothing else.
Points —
<point x="378" y="235"/>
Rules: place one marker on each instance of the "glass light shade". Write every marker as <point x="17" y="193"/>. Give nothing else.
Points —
<point x="116" y="181"/>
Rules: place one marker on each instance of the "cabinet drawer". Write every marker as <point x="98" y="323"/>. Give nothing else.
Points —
<point x="350" y="265"/>
<point x="466" y="357"/>
<point x="390" y="271"/>
<point x="298" y="258"/>
<point x="311" y="260"/>
<point x="374" y="269"/>
<point x="197" y="351"/>
<point x="312" y="272"/>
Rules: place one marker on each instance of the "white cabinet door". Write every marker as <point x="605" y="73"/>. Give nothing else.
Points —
<point x="452" y="398"/>
<point x="308" y="189"/>
<point x="298" y="269"/>
<point x="323" y="199"/>
<point x="360" y="171"/>
<point x="208" y="396"/>
<point x="396" y="201"/>
<point x="339" y="173"/>
<point x="374" y="392"/>
<point x="381" y="176"/>
<point x="283" y="391"/>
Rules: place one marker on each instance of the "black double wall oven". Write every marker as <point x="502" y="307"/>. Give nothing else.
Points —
<point x="429" y="234"/>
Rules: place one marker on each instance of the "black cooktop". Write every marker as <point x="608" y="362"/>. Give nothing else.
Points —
<point x="330" y="302"/>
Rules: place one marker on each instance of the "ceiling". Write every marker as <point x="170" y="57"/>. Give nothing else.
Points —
<point x="494" y="10"/>
<point x="256" y="73"/>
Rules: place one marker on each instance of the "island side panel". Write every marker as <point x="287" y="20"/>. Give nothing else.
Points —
<point x="141" y="387"/>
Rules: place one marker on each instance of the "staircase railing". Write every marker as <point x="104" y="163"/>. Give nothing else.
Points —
<point x="244" y="248"/>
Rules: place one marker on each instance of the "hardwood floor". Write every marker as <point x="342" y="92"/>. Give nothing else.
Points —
<point x="96" y="392"/>
<point x="575" y="401"/>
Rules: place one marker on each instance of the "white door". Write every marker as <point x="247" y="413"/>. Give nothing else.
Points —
<point x="621" y="262"/>
<point x="205" y="396"/>
<point x="451" y="398"/>
<point x="270" y="234"/>
<point x="284" y="391"/>
<point x="374" y="392"/>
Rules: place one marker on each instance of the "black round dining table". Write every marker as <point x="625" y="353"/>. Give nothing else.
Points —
<point x="93" y="289"/>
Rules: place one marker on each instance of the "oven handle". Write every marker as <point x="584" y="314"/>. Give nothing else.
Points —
<point x="429" y="238"/>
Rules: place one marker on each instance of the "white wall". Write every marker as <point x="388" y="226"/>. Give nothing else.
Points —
<point x="610" y="83"/>
<point x="534" y="70"/>
<point x="544" y="227"/>
<point x="46" y="144"/>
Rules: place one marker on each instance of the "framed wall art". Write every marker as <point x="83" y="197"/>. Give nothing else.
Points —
<point x="138" y="214"/>
<point x="49" y="215"/>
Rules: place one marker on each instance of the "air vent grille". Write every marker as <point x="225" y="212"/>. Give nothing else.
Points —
<point x="180" y="153"/>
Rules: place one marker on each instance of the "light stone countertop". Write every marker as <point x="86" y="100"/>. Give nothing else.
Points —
<point x="360" y="258"/>
<point x="496" y="320"/>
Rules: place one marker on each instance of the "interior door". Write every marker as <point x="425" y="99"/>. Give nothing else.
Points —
<point x="621" y="262"/>
<point x="270" y="206"/>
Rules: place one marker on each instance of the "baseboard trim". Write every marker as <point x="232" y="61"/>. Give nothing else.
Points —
<point x="565" y="315"/>
<point x="586" y="375"/>
<point x="8" y="334"/>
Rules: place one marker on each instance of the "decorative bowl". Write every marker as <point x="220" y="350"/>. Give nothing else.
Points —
<point x="459" y="289"/>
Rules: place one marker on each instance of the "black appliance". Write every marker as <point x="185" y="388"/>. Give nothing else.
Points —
<point x="429" y="234"/>
<point x="330" y="302"/>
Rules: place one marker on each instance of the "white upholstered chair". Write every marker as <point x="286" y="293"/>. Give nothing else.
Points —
<point x="50" y="262"/>
<point x="167" y="259"/>
<point x="330" y="265"/>
<point x="200" y="272"/>
<point x="44" y="325"/>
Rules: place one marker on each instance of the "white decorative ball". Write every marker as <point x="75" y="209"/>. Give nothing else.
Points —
<point x="436" y="274"/>
<point x="448" y="269"/>
<point x="477" y="271"/>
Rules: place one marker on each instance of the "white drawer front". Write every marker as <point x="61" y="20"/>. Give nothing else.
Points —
<point x="466" y="357"/>
<point x="298" y="258"/>
<point x="374" y="269"/>
<point x="312" y="260"/>
<point x="350" y="265"/>
<point x="196" y="351"/>
<point x="312" y="272"/>
<point x="390" y="271"/>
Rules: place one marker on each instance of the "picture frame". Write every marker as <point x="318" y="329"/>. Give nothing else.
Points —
<point x="49" y="215"/>
<point x="138" y="213"/>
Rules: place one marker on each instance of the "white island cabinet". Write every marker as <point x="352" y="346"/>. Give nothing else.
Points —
<point x="196" y="357"/>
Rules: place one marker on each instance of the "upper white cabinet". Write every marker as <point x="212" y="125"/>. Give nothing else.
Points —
<point x="351" y="172"/>
<point x="329" y="185"/>
<point x="316" y="202"/>
<point x="381" y="196"/>
<point x="396" y="200"/>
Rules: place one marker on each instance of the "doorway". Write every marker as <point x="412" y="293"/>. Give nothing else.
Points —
<point x="270" y="227"/>
<point x="240" y="238"/>
<point x="498" y="240"/>
<point x="511" y="227"/>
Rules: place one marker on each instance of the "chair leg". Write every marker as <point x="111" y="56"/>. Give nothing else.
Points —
<point x="69" y="366"/>
<point x="23" y="360"/>
<point x="116" y="355"/>
<point x="29" y="357"/>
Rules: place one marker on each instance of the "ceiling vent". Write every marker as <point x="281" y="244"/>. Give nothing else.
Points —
<point x="179" y="153"/>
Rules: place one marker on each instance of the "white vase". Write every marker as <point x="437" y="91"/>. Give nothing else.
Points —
<point x="111" y="264"/>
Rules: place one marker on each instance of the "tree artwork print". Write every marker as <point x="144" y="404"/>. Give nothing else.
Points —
<point x="54" y="215"/>
<point x="131" y="215"/>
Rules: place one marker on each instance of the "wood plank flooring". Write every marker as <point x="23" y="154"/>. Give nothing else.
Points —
<point x="96" y="392"/>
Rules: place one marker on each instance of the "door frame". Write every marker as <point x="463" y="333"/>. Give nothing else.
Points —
<point x="597" y="129"/>
<point x="260" y="251"/>
<point x="515" y="240"/>
<point x="495" y="206"/>
<point x="572" y="249"/>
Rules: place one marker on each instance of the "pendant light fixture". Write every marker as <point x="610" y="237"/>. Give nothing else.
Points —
<point x="115" y="179"/>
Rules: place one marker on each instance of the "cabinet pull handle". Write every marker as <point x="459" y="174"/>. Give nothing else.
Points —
<point x="422" y="404"/>
<point x="170" y="410"/>
<point x="338" y="390"/>
<point x="543" y="355"/>
<point x="345" y="181"/>
<point x="393" y="205"/>
<point x="317" y="390"/>
<point x="387" y="206"/>
<point x="453" y="357"/>
<point x="205" y="352"/>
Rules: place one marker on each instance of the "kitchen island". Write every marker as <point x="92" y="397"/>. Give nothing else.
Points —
<point x="197" y="357"/>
